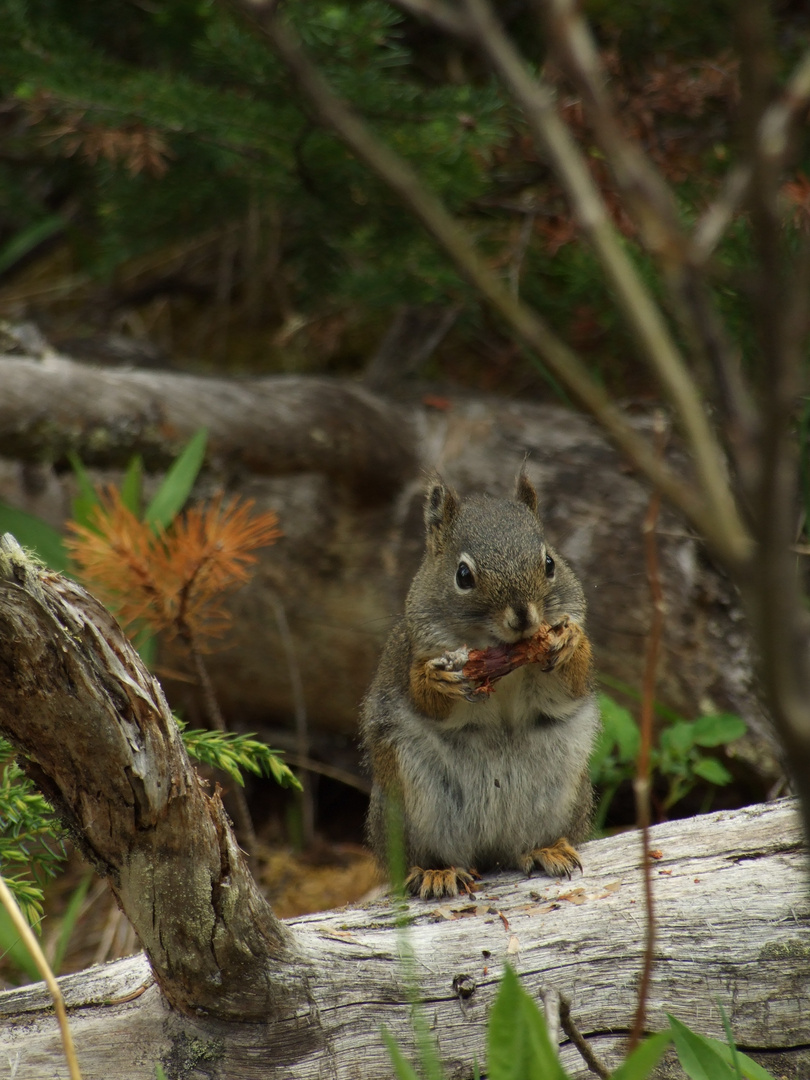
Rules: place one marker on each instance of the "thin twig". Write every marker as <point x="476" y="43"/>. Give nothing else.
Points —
<point x="31" y="943"/>
<point x="641" y="784"/>
<point x="551" y="1013"/>
<point x="577" y="1038"/>
<point x="332" y="772"/>
<point x="777" y="615"/>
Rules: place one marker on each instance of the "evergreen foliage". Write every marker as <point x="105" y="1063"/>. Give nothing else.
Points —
<point x="165" y="149"/>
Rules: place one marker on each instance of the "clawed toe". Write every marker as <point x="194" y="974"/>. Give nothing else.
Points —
<point x="435" y="884"/>
<point x="559" y="859"/>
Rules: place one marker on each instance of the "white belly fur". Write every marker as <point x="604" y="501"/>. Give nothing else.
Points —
<point x="490" y="783"/>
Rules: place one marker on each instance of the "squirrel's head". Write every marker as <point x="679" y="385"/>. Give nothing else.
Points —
<point x="488" y="575"/>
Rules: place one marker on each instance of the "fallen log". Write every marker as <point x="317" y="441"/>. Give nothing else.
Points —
<point x="225" y="990"/>
<point x="733" y="914"/>
<point x="344" y="470"/>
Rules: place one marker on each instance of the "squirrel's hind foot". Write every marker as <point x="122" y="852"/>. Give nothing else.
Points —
<point x="559" y="859"/>
<point x="435" y="884"/>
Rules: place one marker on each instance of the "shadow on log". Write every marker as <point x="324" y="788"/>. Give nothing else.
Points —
<point x="225" y="990"/>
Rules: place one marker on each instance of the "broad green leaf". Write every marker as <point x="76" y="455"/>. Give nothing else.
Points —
<point x="518" y="1044"/>
<point x="699" y="1058"/>
<point x="678" y="739"/>
<point x="131" y="486"/>
<point x="712" y="770"/>
<point x="36" y="535"/>
<point x="749" y="1069"/>
<point x="718" y="730"/>
<point x="403" y="1069"/>
<point x="644" y="1058"/>
<point x="178" y="482"/>
<point x="619" y="726"/>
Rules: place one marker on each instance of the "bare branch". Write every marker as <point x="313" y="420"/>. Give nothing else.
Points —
<point x="773" y="132"/>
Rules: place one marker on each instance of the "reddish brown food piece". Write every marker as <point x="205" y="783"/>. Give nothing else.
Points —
<point x="488" y="665"/>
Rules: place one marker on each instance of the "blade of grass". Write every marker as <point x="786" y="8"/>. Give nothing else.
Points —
<point x="176" y="487"/>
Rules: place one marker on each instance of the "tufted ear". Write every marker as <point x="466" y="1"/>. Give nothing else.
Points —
<point x="525" y="492"/>
<point x="441" y="509"/>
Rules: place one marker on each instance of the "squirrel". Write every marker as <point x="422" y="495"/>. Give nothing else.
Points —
<point x="483" y="781"/>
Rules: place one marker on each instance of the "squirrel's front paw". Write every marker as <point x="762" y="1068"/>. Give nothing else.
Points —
<point x="559" y="859"/>
<point x="562" y="641"/>
<point x="434" y="884"/>
<point x="445" y="674"/>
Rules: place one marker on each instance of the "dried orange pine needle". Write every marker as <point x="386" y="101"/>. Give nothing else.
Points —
<point x="175" y="580"/>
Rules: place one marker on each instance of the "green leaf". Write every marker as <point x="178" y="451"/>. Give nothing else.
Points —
<point x="36" y="535"/>
<point x="26" y="240"/>
<point x="619" y="727"/>
<point x="12" y="950"/>
<point x="712" y="770"/>
<point x="403" y="1069"/>
<point x="718" y="730"/>
<point x="69" y="920"/>
<point x="132" y="485"/>
<point x="518" y="1044"/>
<point x="678" y="739"/>
<point x="178" y="482"/>
<point x="87" y="499"/>
<point x="644" y="1058"/>
<point x="698" y="1055"/>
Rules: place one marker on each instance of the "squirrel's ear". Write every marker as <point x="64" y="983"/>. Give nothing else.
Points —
<point x="525" y="492"/>
<point x="441" y="507"/>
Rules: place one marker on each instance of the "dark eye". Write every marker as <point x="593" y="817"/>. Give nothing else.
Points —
<point x="549" y="567"/>
<point x="464" y="577"/>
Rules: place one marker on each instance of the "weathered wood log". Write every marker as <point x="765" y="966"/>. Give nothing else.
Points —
<point x="733" y="914"/>
<point x="281" y="425"/>
<point x="239" y="995"/>
<point x="343" y="566"/>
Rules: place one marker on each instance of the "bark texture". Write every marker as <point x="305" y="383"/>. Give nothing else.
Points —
<point x="104" y="749"/>
<point x="352" y="544"/>
<point x="733" y="925"/>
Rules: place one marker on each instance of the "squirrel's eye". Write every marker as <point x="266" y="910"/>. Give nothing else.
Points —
<point x="464" y="577"/>
<point x="549" y="567"/>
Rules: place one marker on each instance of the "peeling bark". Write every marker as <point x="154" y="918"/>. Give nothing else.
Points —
<point x="106" y="752"/>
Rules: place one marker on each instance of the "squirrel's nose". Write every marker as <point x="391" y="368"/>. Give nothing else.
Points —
<point x="522" y="617"/>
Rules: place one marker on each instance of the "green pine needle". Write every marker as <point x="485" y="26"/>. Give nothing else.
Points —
<point x="233" y="753"/>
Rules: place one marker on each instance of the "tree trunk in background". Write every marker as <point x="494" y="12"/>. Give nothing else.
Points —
<point x="344" y="469"/>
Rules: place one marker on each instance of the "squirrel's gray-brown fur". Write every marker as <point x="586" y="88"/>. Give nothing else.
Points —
<point x="483" y="781"/>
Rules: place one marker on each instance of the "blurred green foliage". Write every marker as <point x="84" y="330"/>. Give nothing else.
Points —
<point x="678" y="763"/>
<point x="163" y="147"/>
